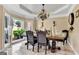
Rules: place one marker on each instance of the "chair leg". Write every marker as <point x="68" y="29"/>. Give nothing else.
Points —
<point x="46" y="49"/>
<point x="27" y="45"/>
<point x="66" y="41"/>
<point x="63" y="42"/>
<point x="38" y="47"/>
<point x="48" y="46"/>
<point x="33" y="48"/>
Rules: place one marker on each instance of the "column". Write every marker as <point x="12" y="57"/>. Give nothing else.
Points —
<point x="1" y="27"/>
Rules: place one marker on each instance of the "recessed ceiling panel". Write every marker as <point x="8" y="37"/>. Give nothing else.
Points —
<point x="32" y="10"/>
<point x="35" y="8"/>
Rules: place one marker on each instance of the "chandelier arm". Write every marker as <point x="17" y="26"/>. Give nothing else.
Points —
<point x="43" y="15"/>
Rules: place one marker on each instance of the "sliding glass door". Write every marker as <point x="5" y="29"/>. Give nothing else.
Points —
<point x="8" y="24"/>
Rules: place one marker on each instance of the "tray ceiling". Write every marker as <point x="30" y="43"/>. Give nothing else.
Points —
<point x="32" y="10"/>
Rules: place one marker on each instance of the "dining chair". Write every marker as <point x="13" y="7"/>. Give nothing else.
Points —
<point x="41" y="40"/>
<point x="64" y="40"/>
<point x="31" y="39"/>
<point x="66" y="36"/>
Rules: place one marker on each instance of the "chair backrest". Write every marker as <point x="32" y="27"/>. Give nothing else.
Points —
<point x="67" y="34"/>
<point x="41" y="37"/>
<point x="29" y="36"/>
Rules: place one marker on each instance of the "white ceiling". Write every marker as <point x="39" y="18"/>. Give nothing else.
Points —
<point x="32" y="10"/>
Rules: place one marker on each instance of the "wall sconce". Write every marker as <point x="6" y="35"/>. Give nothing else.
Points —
<point x="77" y="13"/>
<point x="71" y="28"/>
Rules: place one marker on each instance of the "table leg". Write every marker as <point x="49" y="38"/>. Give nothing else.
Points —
<point x="53" y="48"/>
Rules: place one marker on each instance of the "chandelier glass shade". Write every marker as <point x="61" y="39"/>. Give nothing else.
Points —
<point x="43" y="14"/>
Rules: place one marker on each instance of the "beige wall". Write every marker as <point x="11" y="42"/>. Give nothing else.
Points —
<point x="49" y="23"/>
<point x="30" y="23"/>
<point x="61" y="23"/>
<point x="74" y="36"/>
<point x="1" y="26"/>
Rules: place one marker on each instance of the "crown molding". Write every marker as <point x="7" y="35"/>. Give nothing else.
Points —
<point x="61" y="9"/>
<point x="71" y="9"/>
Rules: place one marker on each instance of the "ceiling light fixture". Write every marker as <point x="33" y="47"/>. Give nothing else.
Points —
<point x="43" y="14"/>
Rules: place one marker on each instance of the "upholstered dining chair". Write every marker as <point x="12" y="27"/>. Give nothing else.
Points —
<point x="31" y="39"/>
<point x="41" y="40"/>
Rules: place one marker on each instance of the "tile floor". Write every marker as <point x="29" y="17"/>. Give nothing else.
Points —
<point x="21" y="49"/>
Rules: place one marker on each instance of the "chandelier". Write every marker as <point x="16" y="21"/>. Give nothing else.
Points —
<point x="43" y="14"/>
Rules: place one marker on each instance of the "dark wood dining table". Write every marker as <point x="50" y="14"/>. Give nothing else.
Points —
<point x="55" y="38"/>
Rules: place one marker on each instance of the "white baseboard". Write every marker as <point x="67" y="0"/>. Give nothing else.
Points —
<point x="73" y="49"/>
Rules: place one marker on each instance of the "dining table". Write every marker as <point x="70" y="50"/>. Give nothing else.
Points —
<point x="54" y="39"/>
